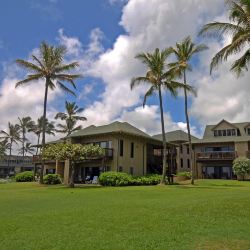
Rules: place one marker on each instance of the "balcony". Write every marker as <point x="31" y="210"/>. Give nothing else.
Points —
<point x="108" y="155"/>
<point x="211" y="156"/>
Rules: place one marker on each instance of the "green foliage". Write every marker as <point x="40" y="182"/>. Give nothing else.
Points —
<point x="241" y="166"/>
<point x="73" y="152"/>
<point x="188" y="175"/>
<point x="124" y="179"/>
<point x="26" y="176"/>
<point x="52" y="179"/>
<point x="114" y="179"/>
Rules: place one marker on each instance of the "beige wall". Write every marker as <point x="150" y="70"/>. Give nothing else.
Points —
<point x="241" y="148"/>
<point x="184" y="156"/>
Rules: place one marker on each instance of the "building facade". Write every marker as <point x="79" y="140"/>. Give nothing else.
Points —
<point x="11" y="165"/>
<point x="220" y="145"/>
<point x="127" y="149"/>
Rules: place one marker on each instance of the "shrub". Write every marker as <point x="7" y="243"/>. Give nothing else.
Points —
<point x="241" y="166"/>
<point x="114" y="179"/>
<point x="188" y="175"/>
<point x="26" y="176"/>
<point x="52" y="179"/>
<point x="123" y="179"/>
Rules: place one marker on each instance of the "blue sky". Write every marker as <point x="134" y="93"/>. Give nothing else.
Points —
<point x="104" y="36"/>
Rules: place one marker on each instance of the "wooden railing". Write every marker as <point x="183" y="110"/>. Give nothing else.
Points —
<point x="222" y="155"/>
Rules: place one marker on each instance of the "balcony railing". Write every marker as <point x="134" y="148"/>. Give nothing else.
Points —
<point x="222" y="155"/>
<point x="108" y="154"/>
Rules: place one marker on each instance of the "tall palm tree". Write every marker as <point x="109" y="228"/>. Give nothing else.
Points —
<point x="11" y="136"/>
<point x="49" y="66"/>
<point x="38" y="129"/>
<point x="28" y="148"/>
<point x="158" y="79"/>
<point x="184" y="52"/>
<point x="25" y="124"/>
<point x="70" y="117"/>
<point x="239" y="28"/>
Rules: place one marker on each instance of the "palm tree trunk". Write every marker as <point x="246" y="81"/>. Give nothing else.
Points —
<point x="188" y="129"/>
<point x="163" y="178"/>
<point x="38" y="141"/>
<point x="44" y="124"/>
<point x="23" y="143"/>
<point x="72" y="175"/>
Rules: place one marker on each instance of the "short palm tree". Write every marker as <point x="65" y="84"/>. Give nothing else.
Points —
<point x="158" y="78"/>
<point x="11" y="136"/>
<point x="26" y="125"/>
<point x="28" y="148"/>
<point x="49" y="66"/>
<point x="184" y="52"/>
<point x="71" y="118"/>
<point x="38" y="129"/>
<point x="239" y="28"/>
<point x="4" y="146"/>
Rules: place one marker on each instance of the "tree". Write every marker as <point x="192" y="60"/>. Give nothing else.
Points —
<point x="4" y="146"/>
<point x="241" y="167"/>
<point x="49" y="66"/>
<point x="184" y="52"/>
<point x="38" y="128"/>
<point x="72" y="152"/>
<point x="27" y="148"/>
<point x="239" y="29"/>
<point x="158" y="78"/>
<point x="25" y="125"/>
<point x="11" y="136"/>
<point x="71" y="118"/>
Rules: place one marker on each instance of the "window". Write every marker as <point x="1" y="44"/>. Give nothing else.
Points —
<point x="131" y="170"/>
<point x="181" y="163"/>
<point x="120" y="169"/>
<point x="188" y="163"/>
<point x="121" y="147"/>
<point x="187" y="149"/>
<point x="233" y="132"/>
<point x="229" y="132"/>
<point x="238" y="132"/>
<point x="132" y="150"/>
<point x="181" y="149"/>
<point x="224" y="132"/>
<point x="248" y="131"/>
<point x="219" y="133"/>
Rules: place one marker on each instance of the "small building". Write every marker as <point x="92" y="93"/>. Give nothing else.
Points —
<point x="11" y="165"/>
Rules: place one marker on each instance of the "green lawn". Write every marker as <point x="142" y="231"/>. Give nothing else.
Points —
<point x="210" y="215"/>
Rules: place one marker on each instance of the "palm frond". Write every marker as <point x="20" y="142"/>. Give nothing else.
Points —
<point x="64" y="88"/>
<point x="138" y="80"/>
<point x="29" y="65"/>
<point x="148" y="93"/>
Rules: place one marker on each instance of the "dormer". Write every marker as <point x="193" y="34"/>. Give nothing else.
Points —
<point x="247" y="129"/>
<point x="225" y="128"/>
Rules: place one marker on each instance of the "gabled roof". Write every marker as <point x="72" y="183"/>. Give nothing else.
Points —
<point x="209" y="137"/>
<point x="224" y="121"/>
<point x="114" y="127"/>
<point x="176" y="136"/>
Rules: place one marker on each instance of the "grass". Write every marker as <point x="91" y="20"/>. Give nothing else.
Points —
<point x="209" y="215"/>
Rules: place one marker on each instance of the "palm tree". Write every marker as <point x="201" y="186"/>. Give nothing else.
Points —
<point x="11" y="136"/>
<point x="4" y="146"/>
<point x="158" y="78"/>
<point x="70" y="117"/>
<point x="184" y="52"/>
<point x="49" y="66"/>
<point x="25" y="125"/>
<point x="28" y="148"/>
<point x="38" y="128"/>
<point x="239" y="28"/>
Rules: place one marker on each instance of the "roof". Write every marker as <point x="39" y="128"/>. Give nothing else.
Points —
<point x="114" y="127"/>
<point x="176" y="136"/>
<point x="209" y="137"/>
